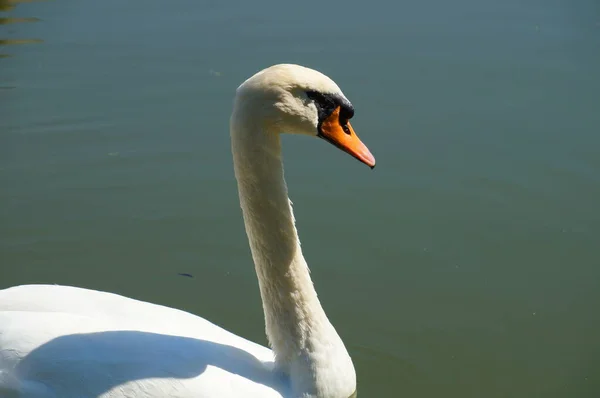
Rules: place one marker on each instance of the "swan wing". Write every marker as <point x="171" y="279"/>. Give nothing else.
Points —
<point x="59" y="341"/>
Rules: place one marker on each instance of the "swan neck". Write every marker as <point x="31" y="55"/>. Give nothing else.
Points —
<point x="305" y="344"/>
<point x="289" y="298"/>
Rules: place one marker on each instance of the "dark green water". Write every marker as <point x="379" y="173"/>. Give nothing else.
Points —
<point x="466" y="265"/>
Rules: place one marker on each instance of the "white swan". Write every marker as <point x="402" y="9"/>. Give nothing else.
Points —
<point x="67" y="342"/>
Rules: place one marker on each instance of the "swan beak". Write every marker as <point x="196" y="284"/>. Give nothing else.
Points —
<point x="342" y="135"/>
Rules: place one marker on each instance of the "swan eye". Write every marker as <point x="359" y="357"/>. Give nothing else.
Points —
<point x="327" y="103"/>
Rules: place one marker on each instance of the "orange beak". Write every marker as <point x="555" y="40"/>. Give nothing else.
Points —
<point x="344" y="137"/>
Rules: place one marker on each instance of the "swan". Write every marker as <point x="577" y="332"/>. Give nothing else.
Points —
<point x="69" y="342"/>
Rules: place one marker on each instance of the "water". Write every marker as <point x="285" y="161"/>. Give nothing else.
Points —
<point x="465" y="265"/>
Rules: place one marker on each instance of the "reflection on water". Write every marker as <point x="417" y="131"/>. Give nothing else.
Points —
<point x="9" y="5"/>
<point x="6" y="21"/>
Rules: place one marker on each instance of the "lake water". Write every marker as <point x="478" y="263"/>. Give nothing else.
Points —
<point x="467" y="264"/>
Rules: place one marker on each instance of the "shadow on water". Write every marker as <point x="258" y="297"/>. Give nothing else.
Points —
<point x="116" y="357"/>
<point x="6" y="6"/>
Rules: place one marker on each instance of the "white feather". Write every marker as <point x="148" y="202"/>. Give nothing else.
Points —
<point x="67" y="342"/>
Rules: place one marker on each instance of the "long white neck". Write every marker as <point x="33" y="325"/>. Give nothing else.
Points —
<point x="305" y="344"/>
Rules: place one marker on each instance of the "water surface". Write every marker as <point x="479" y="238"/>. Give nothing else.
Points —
<point x="465" y="265"/>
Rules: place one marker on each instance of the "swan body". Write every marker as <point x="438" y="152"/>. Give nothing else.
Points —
<point x="68" y="342"/>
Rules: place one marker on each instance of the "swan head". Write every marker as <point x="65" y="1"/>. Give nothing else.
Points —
<point x="289" y="98"/>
